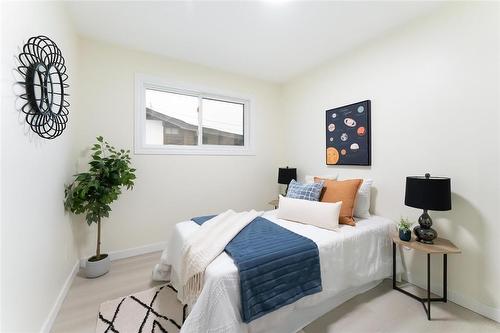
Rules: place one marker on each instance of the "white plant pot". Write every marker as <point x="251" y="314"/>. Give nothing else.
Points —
<point x="97" y="268"/>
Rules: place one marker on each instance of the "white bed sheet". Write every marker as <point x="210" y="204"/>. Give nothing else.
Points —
<point x="353" y="260"/>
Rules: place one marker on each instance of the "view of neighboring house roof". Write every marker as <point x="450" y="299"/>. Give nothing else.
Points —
<point x="155" y="115"/>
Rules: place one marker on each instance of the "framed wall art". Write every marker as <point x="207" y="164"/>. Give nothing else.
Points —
<point x="348" y="135"/>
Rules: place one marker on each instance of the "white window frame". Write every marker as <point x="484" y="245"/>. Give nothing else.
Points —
<point x="143" y="82"/>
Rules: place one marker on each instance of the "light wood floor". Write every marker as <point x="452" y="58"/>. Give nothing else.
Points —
<point x="378" y="310"/>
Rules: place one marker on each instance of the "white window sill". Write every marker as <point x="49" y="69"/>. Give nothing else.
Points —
<point x="195" y="150"/>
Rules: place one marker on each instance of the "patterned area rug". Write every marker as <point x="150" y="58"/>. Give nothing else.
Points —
<point x="156" y="310"/>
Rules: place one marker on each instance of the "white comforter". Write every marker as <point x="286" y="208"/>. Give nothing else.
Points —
<point x="350" y="258"/>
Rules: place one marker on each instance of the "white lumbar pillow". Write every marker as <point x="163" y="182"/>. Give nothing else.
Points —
<point x="310" y="179"/>
<point x="320" y="214"/>
<point x="362" y="205"/>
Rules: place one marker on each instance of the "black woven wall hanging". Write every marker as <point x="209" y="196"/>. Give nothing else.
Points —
<point x="44" y="72"/>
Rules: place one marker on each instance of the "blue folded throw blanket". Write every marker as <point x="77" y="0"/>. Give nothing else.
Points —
<point x="276" y="266"/>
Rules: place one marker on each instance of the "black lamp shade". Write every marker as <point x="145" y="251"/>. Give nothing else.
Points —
<point x="285" y="175"/>
<point x="432" y="193"/>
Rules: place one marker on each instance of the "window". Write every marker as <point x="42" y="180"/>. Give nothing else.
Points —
<point x="175" y="120"/>
<point x="222" y="122"/>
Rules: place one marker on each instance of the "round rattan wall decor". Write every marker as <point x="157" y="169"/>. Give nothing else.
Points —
<point x="44" y="73"/>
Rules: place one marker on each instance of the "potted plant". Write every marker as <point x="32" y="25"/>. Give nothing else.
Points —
<point x="92" y="192"/>
<point x="404" y="229"/>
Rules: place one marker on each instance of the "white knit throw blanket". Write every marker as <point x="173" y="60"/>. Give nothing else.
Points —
<point x="202" y="247"/>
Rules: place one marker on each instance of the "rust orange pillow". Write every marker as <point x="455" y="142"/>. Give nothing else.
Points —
<point x="342" y="190"/>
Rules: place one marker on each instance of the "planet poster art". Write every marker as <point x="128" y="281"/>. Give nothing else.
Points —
<point x="348" y="135"/>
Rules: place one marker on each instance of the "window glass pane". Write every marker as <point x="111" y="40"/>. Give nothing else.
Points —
<point x="222" y="123"/>
<point x="171" y="119"/>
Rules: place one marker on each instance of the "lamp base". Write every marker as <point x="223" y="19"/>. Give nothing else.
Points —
<point x="424" y="232"/>
<point x="286" y="190"/>
<point x="425" y="236"/>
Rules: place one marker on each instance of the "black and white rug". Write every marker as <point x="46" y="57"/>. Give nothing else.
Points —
<point x="155" y="310"/>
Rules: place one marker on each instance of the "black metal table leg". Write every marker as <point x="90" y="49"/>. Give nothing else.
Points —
<point x="445" y="278"/>
<point x="393" y="265"/>
<point x="428" y="286"/>
<point x="184" y="314"/>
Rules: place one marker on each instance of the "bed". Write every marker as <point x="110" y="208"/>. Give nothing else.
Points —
<point x="353" y="260"/>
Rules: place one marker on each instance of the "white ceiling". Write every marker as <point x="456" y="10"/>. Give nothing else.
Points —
<point x="272" y="40"/>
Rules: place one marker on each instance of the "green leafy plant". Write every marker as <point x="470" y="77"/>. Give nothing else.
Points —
<point x="404" y="224"/>
<point x="92" y="192"/>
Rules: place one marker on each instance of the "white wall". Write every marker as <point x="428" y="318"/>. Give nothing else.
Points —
<point x="38" y="249"/>
<point x="170" y="188"/>
<point x="435" y="107"/>
<point x="434" y="87"/>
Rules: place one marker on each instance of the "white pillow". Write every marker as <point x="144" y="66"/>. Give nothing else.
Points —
<point x="320" y="214"/>
<point x="310" y="179"/>
<point x="362" y="205"/>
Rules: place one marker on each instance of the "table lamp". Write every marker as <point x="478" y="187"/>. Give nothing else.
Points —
<point x="427" y="193"/>
<point x="285" y="176"/>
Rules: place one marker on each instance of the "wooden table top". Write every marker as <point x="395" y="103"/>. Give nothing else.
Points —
<point x="440" y="245"/>
<point x="274" y="202"/>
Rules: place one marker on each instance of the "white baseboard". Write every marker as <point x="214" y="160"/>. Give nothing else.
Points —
<point x="135" y="251"/>
<point x="47" y="325"/>
<point x="471" y="304"/>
